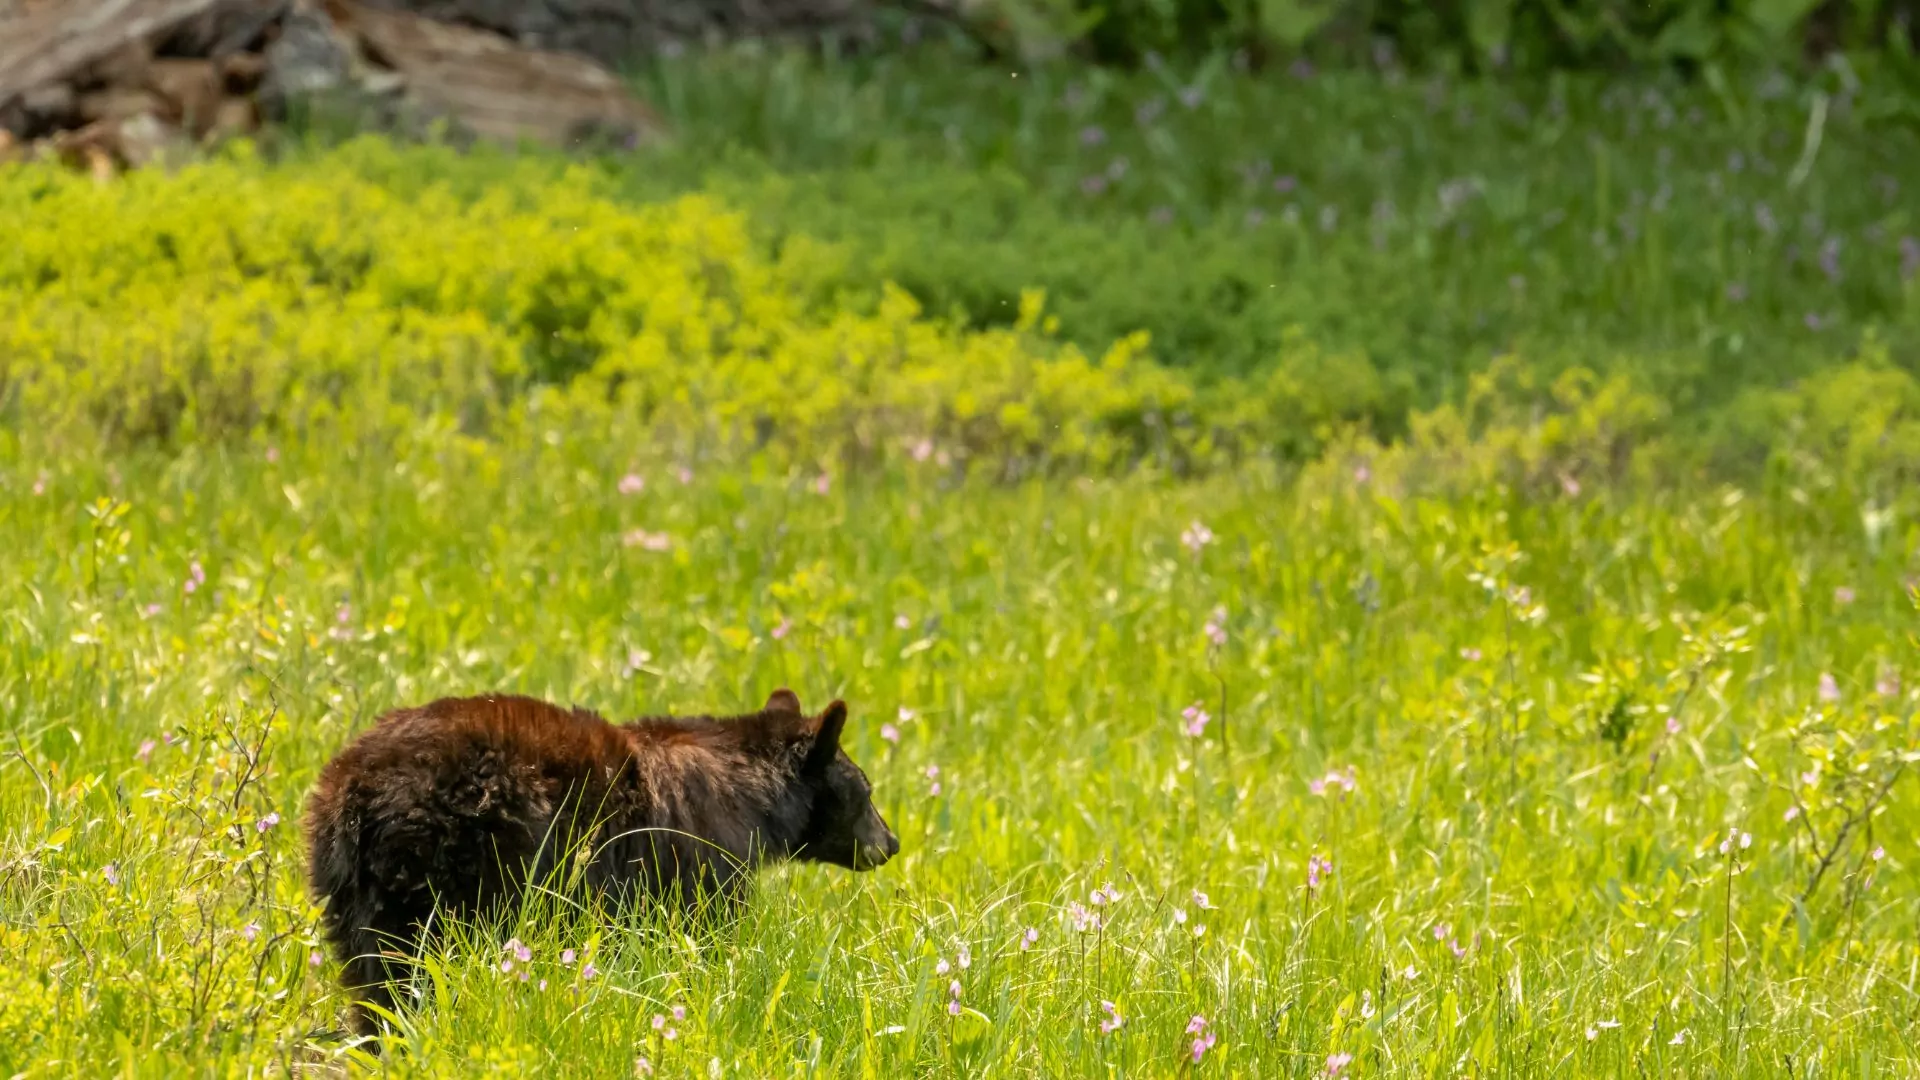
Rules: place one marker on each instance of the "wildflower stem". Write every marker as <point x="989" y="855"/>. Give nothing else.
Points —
<point x="1513" y="699"/>
<point x="1726" y="941"/>
<point x="1853" y="820"/>
<point x="1226" y="747"/>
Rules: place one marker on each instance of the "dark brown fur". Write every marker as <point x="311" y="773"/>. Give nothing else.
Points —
<point x="449" y="809"/>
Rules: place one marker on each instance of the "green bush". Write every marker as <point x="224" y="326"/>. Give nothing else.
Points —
<point x="1491" y="34"/>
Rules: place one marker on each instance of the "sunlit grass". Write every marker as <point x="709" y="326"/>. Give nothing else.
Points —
<point x="1546" y="713"/>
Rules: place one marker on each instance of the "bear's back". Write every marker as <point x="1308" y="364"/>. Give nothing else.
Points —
<point x="457" y="798"/>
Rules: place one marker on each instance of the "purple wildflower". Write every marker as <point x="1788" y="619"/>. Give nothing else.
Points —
<point x="268" y="822"/>
<point x="1337" y="1063"/>
<point x="1317" y="867"/>
<point x="1829" y="690"/>
<point x="650" y="541"/>
<point x="1203" y="1038"/>
<point x="1216" y="628"/>
<point x="1114" y="1021"/>
<point x="1196" y="720"/>
<point x="1083" y="918"/>
<point x="632" y="484"/>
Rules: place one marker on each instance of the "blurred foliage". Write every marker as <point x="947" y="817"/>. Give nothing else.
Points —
<point x="1472" y="34"/>
<point x="1708" y="231"/>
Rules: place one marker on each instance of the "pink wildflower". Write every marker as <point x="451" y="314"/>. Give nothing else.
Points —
<point x="1829" y="689"/>
<point x="1203" y="1038"/>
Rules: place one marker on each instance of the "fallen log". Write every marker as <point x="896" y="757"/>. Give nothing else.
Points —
<point x="135" y="80"/>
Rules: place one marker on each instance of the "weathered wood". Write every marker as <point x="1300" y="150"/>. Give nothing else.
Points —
<point x="495" y="88"/>
<point x="41" y="42"/>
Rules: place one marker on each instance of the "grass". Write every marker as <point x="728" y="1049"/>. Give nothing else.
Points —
<point x="1528" y="724"/>
<point x="1528" y="851"/>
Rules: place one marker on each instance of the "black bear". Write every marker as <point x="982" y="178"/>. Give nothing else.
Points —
<point x="450" y="809"/>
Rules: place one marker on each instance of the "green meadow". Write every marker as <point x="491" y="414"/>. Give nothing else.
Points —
<point x="1396" y="577"/>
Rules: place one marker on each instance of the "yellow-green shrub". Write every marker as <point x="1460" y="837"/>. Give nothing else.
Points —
<point x="1859" y="420"/>
<point x="1517" y="429"/>
<point x="235" y="295"/>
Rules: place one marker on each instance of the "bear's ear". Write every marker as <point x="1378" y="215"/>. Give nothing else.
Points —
<point x="826" y="741"/>
<point x="783" y="700"/>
